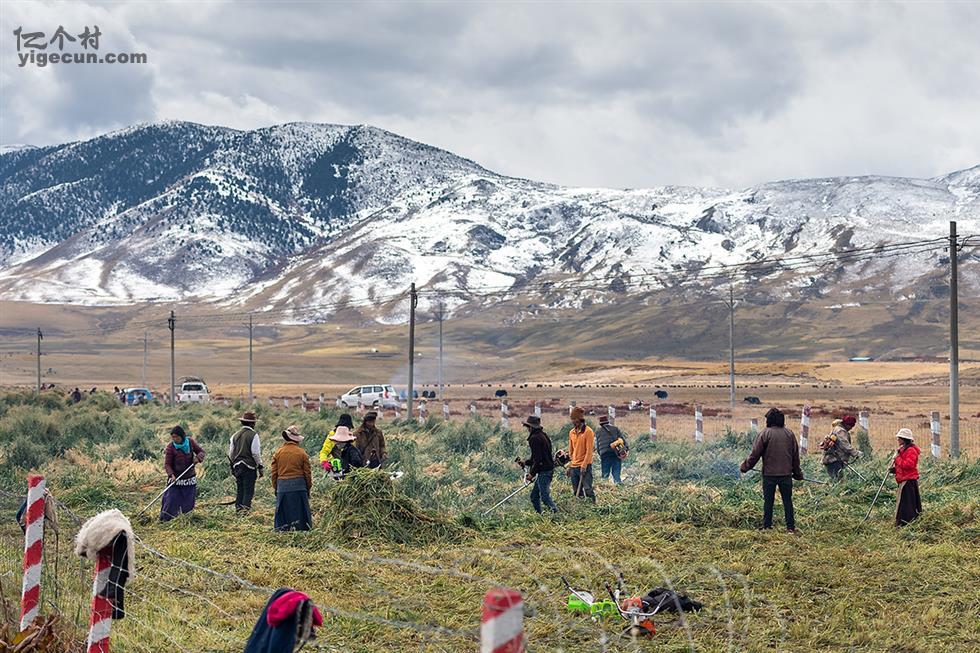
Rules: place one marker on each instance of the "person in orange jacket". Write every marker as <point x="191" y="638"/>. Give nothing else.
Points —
<point x="581" y="441"/>
<point x="906" y="471"/>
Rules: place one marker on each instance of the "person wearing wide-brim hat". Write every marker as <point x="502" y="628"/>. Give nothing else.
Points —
<point x="326" y="450"/>
<point x="541" y="465"/>
<point x="906" y="470"/>
<point x="292" y="479"/>
<point x="371" y="441"/>
<point x="837" y="448"/>
<point x="245" y="457"/>
<point x="345" y="450"/>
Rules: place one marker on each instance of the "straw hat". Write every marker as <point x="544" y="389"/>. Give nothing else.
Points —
<point x="292" y="434"/>
<point x="342" y="434"/>
<point x="905" y="434"/>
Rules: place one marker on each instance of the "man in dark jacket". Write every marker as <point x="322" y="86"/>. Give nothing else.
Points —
<point x="776" y="445"/>
<point x="609" y="460"/>
<point x="371" y="441"/>
<point x="541" y="465"/>
<point x="245" y="456"/>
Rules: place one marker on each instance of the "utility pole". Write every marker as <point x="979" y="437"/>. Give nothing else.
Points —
<point x="413" y="302"/>
<point x="440" y="315"/>
<point x="251" y="397"/>
<point x="172" y="323"/>
<point x="954" y="345"/>
<point x="40" y="337"/>
<point x="731" y="346"/>
<point x="144" y="357"/>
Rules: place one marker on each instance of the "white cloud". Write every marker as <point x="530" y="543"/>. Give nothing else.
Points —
<point x="615" y="95"/>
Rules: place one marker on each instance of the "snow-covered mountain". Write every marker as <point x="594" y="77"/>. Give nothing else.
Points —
<point x="308" y="214"/>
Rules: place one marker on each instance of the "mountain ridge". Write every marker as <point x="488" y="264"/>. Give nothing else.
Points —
<point x="306" y="213"/>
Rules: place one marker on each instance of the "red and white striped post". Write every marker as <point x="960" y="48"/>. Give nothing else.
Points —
<point x="100" y="621"/>
<point x="502" y="624"/>
<point x="33" y="550"/>
<point x="935" y="427"/>
<point x="698" y="424"/>
<point x="653" y="423"/>
<point x="805" y="429"/>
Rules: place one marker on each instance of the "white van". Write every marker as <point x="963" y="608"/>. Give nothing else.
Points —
<point x="374" y="396"/>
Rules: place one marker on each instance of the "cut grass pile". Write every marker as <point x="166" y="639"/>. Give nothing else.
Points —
<point x="403" y="566"/>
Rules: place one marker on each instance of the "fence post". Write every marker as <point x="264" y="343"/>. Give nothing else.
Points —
<point x="271" y="405"/>
<point x="423" y="410"/>
<point x="320" y="406"/>
<point x="653" y="424"/>
<point x="101" y="619"/>
<point x="611" y="410"/>
<point x="398" y="409"/>
<point x="306" y="401"/>
<point x="754" y="425"/>
<point x="571" y="407"/>
<point x="360" y="406"/>
<point x="935" y="434"/>
<point x="445" y="410"/>
<point x="473" y="409"/>
<point x="864" y="421"/>
<point x="33" y="550"/>
<point x="285" y="402"/>
<point x="805" y="429"/>
<point x="502" y="623"/>
<point x="537" y="409"/>
<point x="698" y="424"/>
<point x="504" y="414"/>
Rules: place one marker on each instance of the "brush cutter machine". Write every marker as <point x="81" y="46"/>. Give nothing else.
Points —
<point x="561" y="459"/>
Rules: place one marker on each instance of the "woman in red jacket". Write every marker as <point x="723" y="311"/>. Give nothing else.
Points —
<point x="906" y="470"/>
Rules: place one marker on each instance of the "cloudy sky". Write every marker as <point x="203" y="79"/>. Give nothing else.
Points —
<point x="591" y="94"/>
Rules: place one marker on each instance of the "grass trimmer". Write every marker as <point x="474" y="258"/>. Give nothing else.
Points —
<point x="169" y="485"/>
<point x="880" y="488"/>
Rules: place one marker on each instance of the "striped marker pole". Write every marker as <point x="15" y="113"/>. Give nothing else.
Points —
<point x="612" y="414"/>
<point x="805" y="429"/>
<point x="864" y="421"/>
<point x="445" y="410"/>
<point x="502" y="624"/>
<point x="935" y="434"/>
<point x="101" y="619"/>
<point x="504" y="414"/>
<point x="33" y="550"/>
<point x="653" y="424"/>
<point x="698" y="424"/>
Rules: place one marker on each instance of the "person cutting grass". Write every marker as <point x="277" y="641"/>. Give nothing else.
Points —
<point x="580" y="446"/>
<point x="779" y="450"/>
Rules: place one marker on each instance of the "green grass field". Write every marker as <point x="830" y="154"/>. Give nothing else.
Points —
<point x="403" y="566"/>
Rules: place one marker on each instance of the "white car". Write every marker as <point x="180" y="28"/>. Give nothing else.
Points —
<point x="193" y="390"/>
<point x="374" y="396"/>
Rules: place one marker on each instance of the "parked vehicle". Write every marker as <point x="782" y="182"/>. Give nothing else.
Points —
<point x="137" y="396"/>
<point x="193" y="390"/>
<point x="375" y="396"/>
